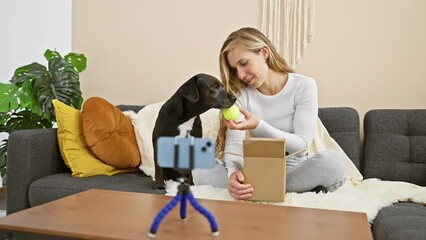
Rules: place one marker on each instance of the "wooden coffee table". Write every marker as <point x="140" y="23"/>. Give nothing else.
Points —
<point x="104" y="214"/>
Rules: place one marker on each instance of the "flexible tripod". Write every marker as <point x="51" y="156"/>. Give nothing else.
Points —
<point x="184" y="194"/>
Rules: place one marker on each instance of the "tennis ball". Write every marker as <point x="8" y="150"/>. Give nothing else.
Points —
<point x="231" y="113"/>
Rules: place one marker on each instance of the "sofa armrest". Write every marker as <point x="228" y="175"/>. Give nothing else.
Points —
<point x="31" y="154"/>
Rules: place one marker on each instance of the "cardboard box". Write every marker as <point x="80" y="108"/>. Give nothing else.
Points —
<point x="264" y="168"/>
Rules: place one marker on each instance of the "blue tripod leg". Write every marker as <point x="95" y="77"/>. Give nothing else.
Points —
<point x="183" y="206"/>
<point x="183" y="189"/>
<point x="160" y="216"/>
<point x="205" y="213"/>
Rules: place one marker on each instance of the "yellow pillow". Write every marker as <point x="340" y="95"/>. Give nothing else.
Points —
<point x="73" y="146"/>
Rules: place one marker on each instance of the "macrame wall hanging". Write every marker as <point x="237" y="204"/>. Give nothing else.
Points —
<point x="289" y="24"/>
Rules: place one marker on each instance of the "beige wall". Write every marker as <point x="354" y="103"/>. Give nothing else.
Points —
<point x="369" y="54"/>
<point x="366" y="54"/>
<point x="140" y="52"/>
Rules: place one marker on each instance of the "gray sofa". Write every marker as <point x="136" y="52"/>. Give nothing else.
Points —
<point x="36" y="173"/>
<point x="395" y="149"/>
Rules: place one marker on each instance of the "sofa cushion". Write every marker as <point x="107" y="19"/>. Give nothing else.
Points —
<point x="110" y="134"/>
<point x="394" y="145"/>
<point x="400" y="221"/>
<point x="73" y="146"/>
<point x="60" y="185"/>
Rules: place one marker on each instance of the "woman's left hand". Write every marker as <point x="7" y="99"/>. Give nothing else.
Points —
<point x="250" y="122"/>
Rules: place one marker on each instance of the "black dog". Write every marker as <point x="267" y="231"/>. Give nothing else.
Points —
<point x="194" y="97"/>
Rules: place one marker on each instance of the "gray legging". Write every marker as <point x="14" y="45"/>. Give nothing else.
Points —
<point x="326" y="168"/>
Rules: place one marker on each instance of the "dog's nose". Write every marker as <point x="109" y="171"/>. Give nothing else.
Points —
<point x="233" y="98"/>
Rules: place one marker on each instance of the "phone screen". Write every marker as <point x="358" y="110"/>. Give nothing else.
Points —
<point x="204" y="152"/>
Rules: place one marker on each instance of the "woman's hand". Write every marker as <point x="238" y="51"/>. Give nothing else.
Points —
<point x="250" y="122"/>
<point x="236" y="187"/>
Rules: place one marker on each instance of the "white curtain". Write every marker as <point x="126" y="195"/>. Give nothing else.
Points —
<point x="289" y="24"/>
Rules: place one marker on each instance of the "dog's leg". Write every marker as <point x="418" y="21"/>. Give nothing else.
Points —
<point x="159" y="181"/>
<point x="197" y="128"/>
<point x="197" y="131"/>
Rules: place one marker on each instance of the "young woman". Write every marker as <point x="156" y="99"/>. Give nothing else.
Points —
<point x="275" y="103"/>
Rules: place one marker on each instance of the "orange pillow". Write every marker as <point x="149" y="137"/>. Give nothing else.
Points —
<point x="110" y="134"/>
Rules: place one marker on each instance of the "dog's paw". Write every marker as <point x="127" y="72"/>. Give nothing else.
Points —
<point x="159" y="185"/>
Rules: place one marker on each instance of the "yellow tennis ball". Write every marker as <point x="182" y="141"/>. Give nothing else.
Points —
<point x="231" y="113"/>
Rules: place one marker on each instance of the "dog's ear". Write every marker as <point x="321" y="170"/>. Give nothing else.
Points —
<point x="190" y="90"/>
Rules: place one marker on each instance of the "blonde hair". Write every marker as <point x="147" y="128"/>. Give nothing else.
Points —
<point x="253" y="40"/>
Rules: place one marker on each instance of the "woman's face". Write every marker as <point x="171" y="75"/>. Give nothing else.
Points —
<point x="249" y="66"/>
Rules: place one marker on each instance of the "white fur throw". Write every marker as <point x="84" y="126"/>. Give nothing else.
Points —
<point x="369" y="196"/>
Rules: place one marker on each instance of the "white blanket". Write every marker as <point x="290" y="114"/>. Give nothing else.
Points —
<point x="356" y="194"/>
<point x="368" y="197"/>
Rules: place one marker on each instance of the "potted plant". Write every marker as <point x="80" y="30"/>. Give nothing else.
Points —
<point x="26" y="102"/>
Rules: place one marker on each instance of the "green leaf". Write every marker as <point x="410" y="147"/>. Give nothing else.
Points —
<point x="49" y="54"/>
<point x="15" y="98"/>
<point x="3" y="154"/>
<point x="63" y="85"/>
<point x="29" y="100"/>
<point x="2" y="160"/>
<point x="28" y="72"/>
<point x="3" y="149"/>
<point x="4" y="116"/>
<point x="79" y="61"/>
<point x="3" y="172"/>
<point x="8" y="97"/>
<point x="25" y="120"/>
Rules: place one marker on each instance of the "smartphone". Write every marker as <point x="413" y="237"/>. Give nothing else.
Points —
<point x="203" y="152"/>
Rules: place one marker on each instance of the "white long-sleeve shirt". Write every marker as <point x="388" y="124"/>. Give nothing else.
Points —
<point x="290" y="114"/>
